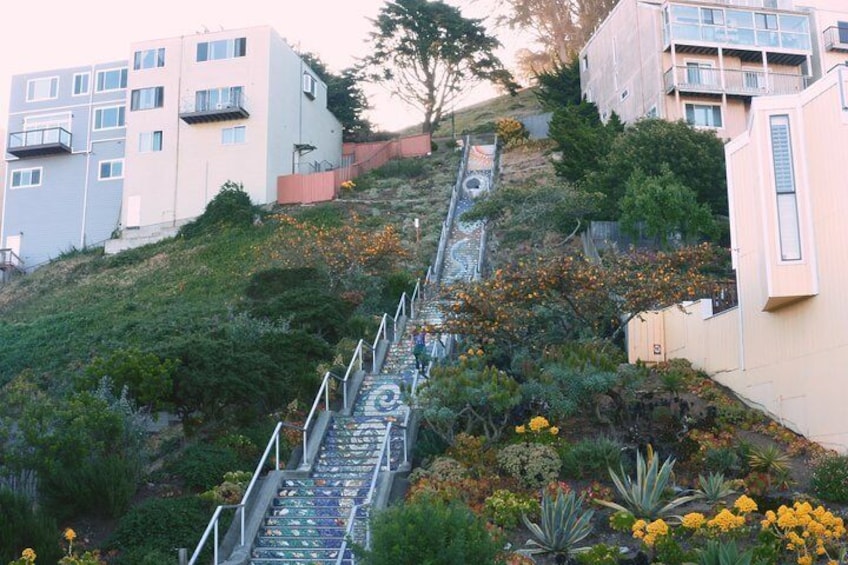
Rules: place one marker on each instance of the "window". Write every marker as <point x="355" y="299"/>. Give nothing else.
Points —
<point x="109" y="170"/>
<point x="703" y="115"/>
<point x="46" y="121"/>
<point x="766" y="21"/>
<point x="81" y="83"/>
<point x="109" y="118"/>
<point x="624" y="94"/>
<point x="842" y="27"/>
<point x="784" y="183"/>
<point x="585" y="63"/>
<point x="700" y="73"/>
<point x="147" y="98"/>
<point x="234" y="135"/>
<point x="217" y="99"/>
<point x="25" y="178"/>
<point x="222" y="49"/>
<point x="652" y="113"/>
<point x="149" y="141"/>
<point x="753" y="79"/>
<point x="149" y="59"/>
<point x="710" y="16"/>
<point x="310" y="86"/>
<point x="42" y="89"/>
<point x="113" y="79"/>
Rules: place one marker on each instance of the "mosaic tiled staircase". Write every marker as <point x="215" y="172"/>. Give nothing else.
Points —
<point x="308" y="519"/>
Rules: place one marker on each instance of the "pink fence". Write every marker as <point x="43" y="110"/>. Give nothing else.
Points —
<point x="321" y="187"/>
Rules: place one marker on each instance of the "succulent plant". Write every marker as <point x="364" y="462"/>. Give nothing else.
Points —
<point x="563" y="525"/>
<point x="724" y="553"/>
<point x="644" y="496"/>
<point x="713" y="487"/>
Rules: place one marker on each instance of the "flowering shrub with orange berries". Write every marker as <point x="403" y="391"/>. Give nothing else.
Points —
<point x="810" y="533"/>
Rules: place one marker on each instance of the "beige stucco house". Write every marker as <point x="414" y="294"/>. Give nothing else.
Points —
<point x="784" y="348"/>
<point x="705" y="60"/>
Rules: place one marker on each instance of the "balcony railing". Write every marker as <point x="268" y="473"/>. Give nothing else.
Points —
<point x="836" y="38"/>
<point x="195" y="112"/>
<point x="724" y="296"/>
<point x="36" y="142"/>
<point x="733" y="82"/>
<point x="765" y="4"/>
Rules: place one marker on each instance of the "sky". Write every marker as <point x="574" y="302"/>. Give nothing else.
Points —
<point x="52" y="34"/>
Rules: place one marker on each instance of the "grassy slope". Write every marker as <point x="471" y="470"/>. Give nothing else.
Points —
<point x="523" y="104"/>
<point x="60" y="316"/>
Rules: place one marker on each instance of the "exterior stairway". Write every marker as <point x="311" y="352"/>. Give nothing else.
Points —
<point x="308" y="519"/>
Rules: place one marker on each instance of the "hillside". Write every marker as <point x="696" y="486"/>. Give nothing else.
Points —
<point x="481" y="117"/>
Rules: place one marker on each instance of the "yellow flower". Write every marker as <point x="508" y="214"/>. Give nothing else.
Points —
<point x="805" y="560"/>
<point x="28" y="555"/>
<point x="744" y="504"/>
<point x="539" y="423"/>
<point x="554" y="430"/>
<point x="520" y="429"/>
<point x="693" y="520"/>
<point x="70" y="535"/>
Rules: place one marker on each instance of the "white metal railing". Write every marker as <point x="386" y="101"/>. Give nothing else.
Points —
<point x="212" y="527"/>
<point x="385" y="453"/>
<point x="744" y="82"/>
<point x="382" y="331"/>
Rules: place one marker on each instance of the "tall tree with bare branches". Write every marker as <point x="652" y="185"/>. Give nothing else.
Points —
<point x="559" y="27"/>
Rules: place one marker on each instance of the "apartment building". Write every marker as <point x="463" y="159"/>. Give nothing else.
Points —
<point x="704" y="61"/>
<point x="147" y="141"/>
<point x="203" y="109"/>
<point x="783" y="348"/>
<point x="64" y="159"/>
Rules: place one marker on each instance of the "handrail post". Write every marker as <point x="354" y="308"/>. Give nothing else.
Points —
<point x="305" y="446"/>
<point x="215" y="546"/>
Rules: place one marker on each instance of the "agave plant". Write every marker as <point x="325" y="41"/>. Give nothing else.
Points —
<point x="564" y="524"/>
<point x="713" y="487"/>
<point x="724" y="553"/>
<point x="644" y="496"/>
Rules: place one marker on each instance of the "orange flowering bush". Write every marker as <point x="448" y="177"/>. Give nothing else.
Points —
<point x="810" y="533"/>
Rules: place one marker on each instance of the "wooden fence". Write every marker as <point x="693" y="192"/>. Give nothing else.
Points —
<point x="324" y="186"/>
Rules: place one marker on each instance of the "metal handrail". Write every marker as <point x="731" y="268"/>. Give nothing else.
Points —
<point x="274" y="442"/>
<point x="385" y="449"/>
<point x="400" y="311"/>
<point x="380" y="331"/>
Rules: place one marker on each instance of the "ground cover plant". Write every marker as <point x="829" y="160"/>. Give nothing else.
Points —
<point x="207" y="327"/>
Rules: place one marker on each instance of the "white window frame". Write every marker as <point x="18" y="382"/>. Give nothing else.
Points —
<point x="310" y="86"/>
<point x="705" y="70"/>
<point x="788" y="219"/>
<point x="148" y="98"/>
<point x="230" y="51"/>
<point x="103" y="108"/>
<point x="111" y="163"/>
<point x="53" y="89"/>
<point x="712" y="113"/>
<point x="235" y="135"/>
<point x="157" y="53"/>
<point x="87" y="84"/>
<point x="122" y="79"/>
<point x="147" y="141"/>
<point x="21" y="172"/>
<point x="47" y="121"/>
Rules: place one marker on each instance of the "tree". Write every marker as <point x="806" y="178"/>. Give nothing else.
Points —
<point x="345" y="98"/>
<point x="691" y="154"/>
<point x="559" y="27"/>
<point x="581" y="138"/>
<point x="432" y="55"/>
<point x="667" y="207"/>
<point x="559" y="85"/>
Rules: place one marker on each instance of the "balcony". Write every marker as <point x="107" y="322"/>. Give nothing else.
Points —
<point x="36" y="142"/>
<point x="836" y="39"/>
<point x="202" y="110"/>
<point x="732" y="82"/>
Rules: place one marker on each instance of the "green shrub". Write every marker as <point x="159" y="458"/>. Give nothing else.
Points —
<point x="428" y="444"/>
<point x="324" y="215"/>
<point x="533" y="464"/>
<point x="829" y="480"/>
<point x="505" y="508"/>
<point x="511" y="132"/>
<point x="157" y="525"/>
<point x="429" y="531"/>
<point x="564" y="524"/>
<point x="723" y="460"/>
<point x="230" y="208"/>
<point x="591" y="458"/>
<point x="101" y="486"/>
<point x="441" y="469"/>
<point x="600" y="554"/>
<point x="202" y="465"/>
<point x="268" y="284"/>
<point x="402" y="168"/>
<point x="147" y="378"/>
<point x="24" y="525"/>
